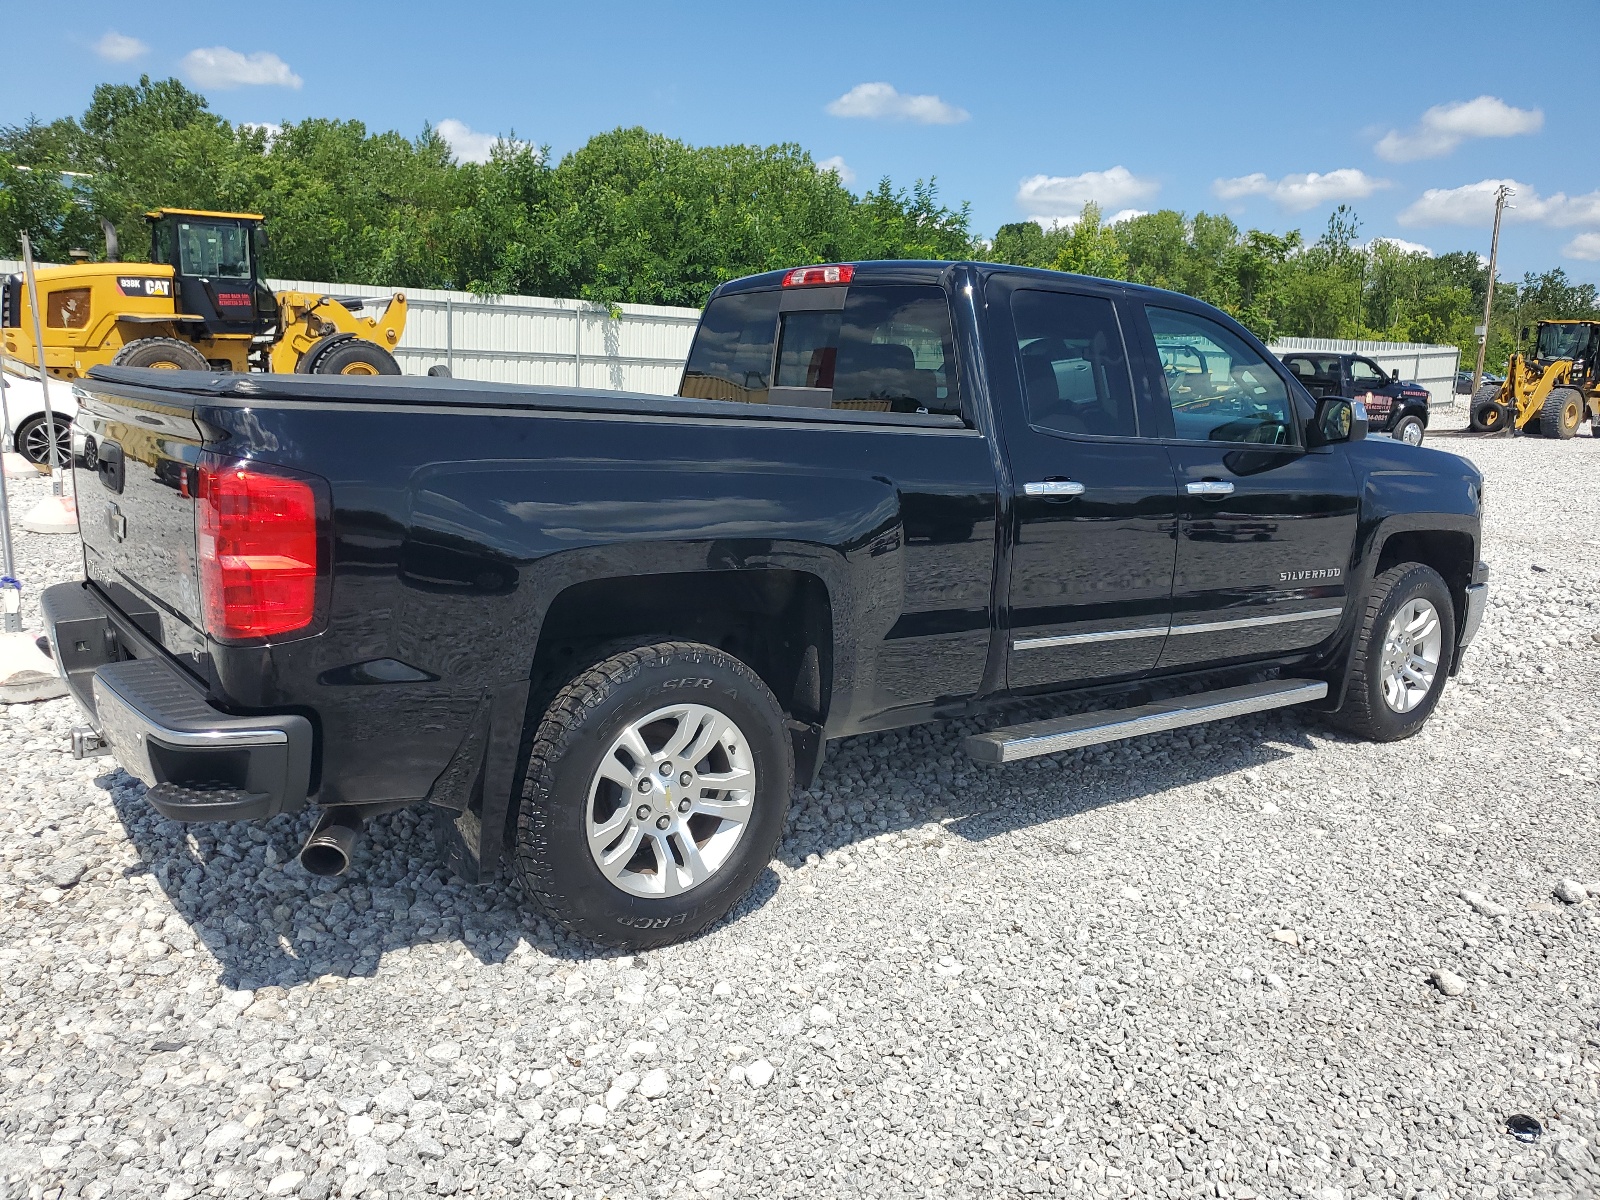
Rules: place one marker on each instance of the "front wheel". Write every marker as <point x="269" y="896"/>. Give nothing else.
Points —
<point x="1562" y="413"/>
<point x="1409" y="430"/>
<point x="1402" y="659"/>
<point x="656" y="792"/>
<point x="355" y="357"/>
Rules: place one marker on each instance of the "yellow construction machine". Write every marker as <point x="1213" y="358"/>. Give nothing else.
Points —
<point x="199" y="305"/>
<point x="1553" y="391"/>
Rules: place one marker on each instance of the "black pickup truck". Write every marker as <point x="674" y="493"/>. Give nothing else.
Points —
<point x="1398" y="407"/>
<point x="608" y="632"/>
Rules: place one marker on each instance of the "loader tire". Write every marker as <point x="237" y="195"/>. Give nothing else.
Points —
<point x="1562" y="413"/>
<point x="1489" y="416"/>
<point x="355" y="357"/>
<point x="164" y="354"/>
<point x="1486" y="395"/>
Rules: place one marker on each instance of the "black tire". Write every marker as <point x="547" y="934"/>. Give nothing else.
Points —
<point x="577" y="731"/>
<point x="33" y="440"/>
<point x="1486" y="395"/>
<point x="355" y="357"/>
<point x="1490" y="417"/>
<point x="1563" y="412"/>
<point x="1365" y="712"/>
<point x="166" y="354"/>
<point x="1405" y="425"/>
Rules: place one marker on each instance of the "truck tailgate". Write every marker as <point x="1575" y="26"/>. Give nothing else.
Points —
<point x="136" y="476"/>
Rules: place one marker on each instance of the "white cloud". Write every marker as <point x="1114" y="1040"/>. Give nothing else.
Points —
<point x="839" y="167"/>
<point x="1445" y="126"/>
<point x="266" y="128"/>
<point x="119" y="47"/>
<point x="466" y="143"/>
<point x="1058" y="199"/>
<point x="220" y="67"/>
<point x="880" y="102"/>
<point x="1127" y="214"/>
<point x="1402" y="245"/>
<point x="1297" y="193"/>
<point x="1473" y="204"/>
<point x="1585" y="246"/>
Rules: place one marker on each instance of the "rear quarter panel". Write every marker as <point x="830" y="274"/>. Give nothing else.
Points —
<point x="455" y="531"/>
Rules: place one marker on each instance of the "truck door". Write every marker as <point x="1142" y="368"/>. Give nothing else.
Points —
<point x="1371" y="384"/>
<point x="1093" y="499"/>
<point x="1267" y="526"/>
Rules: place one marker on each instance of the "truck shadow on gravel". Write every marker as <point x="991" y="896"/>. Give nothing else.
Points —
<point x="268" y="923"/>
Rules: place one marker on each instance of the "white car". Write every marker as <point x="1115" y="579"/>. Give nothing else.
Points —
<point x="25" y="417"/>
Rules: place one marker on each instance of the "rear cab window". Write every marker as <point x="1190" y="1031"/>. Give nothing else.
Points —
<point x="864" y="348"/>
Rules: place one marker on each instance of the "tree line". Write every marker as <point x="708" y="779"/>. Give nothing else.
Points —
<point x="637" y="216"/>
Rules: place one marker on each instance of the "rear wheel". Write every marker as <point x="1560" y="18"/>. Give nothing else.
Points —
<point x="656" y="791"/>
<point x="355" y="357"/>
<point x="164" y="354"/>
<point x="33" y="441"/>
<point x="1409" y="430"/>
<point x="1562" y="413"/>
<point x="1403" y="649"/>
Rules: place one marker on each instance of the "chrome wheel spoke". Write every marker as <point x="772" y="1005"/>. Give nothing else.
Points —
<point x="692" y="862"/>
<point x="737" y="811"/>
<point x="633" y="742"/>
<point x="739" y="779"/>
<point x="611" y="768"/>
<point x="613" y="863"/>
<point x="666" y="865"/>
<point x="710" y="734"/>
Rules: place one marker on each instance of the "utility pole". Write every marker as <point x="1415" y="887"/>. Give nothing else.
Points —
<point x="1501" y="195"/>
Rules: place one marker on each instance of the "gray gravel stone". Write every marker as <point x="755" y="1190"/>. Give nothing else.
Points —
<point x="1570" y="891"/>
<point x="1448" y="982"/>
<point x="1005" y="1021"/>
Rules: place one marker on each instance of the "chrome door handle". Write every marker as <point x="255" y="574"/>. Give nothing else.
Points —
<point x="1209" y="488"/>
<point x="1053" y="487"/>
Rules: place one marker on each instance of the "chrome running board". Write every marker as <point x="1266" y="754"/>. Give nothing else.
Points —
<point x="1108" y="725"/>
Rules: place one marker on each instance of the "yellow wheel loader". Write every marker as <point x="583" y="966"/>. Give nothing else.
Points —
<point x="1553" y="391"/>
<point x="198" y="305"/>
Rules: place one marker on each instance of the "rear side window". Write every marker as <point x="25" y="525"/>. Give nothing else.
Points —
<point x="895" y="351"/>
<point x="1074" y="367"/>
<point x="1221" y="390"/>
<point x="732" y="354"/>
<point x="888" y="349"/>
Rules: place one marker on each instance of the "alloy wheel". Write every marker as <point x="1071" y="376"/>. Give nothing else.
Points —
<point x="670" y="800"/>
<point x="1411" y="651"/>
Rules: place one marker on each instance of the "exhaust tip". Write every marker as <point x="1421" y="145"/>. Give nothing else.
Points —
<point x="327" y="851"/>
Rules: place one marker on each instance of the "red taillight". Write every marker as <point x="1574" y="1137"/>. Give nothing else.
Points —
<point x="808" y="276"/>
<point x="258" y="550"/>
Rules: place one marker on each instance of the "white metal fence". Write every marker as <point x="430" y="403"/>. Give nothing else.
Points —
<point x="575" y="343"/>
<point x="1434" y="367"/>
<point x="529" y="339"/>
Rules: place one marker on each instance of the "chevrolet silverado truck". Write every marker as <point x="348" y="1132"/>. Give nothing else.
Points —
<point x="605" y="634"/>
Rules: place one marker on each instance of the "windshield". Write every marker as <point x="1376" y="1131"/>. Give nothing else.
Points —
<point x="1563" y="341"/>
<point x="214" y="251"/>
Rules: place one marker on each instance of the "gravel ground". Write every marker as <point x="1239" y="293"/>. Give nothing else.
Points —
<point x="1250" y="959"/>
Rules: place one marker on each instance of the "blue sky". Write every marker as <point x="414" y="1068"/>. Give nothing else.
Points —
<point x="1272" y="113"/>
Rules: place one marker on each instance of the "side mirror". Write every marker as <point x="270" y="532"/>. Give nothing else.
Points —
<point x="1338" y="420"/>
<point x="1395" y="375"/>
<point x="1522" y="336"/>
